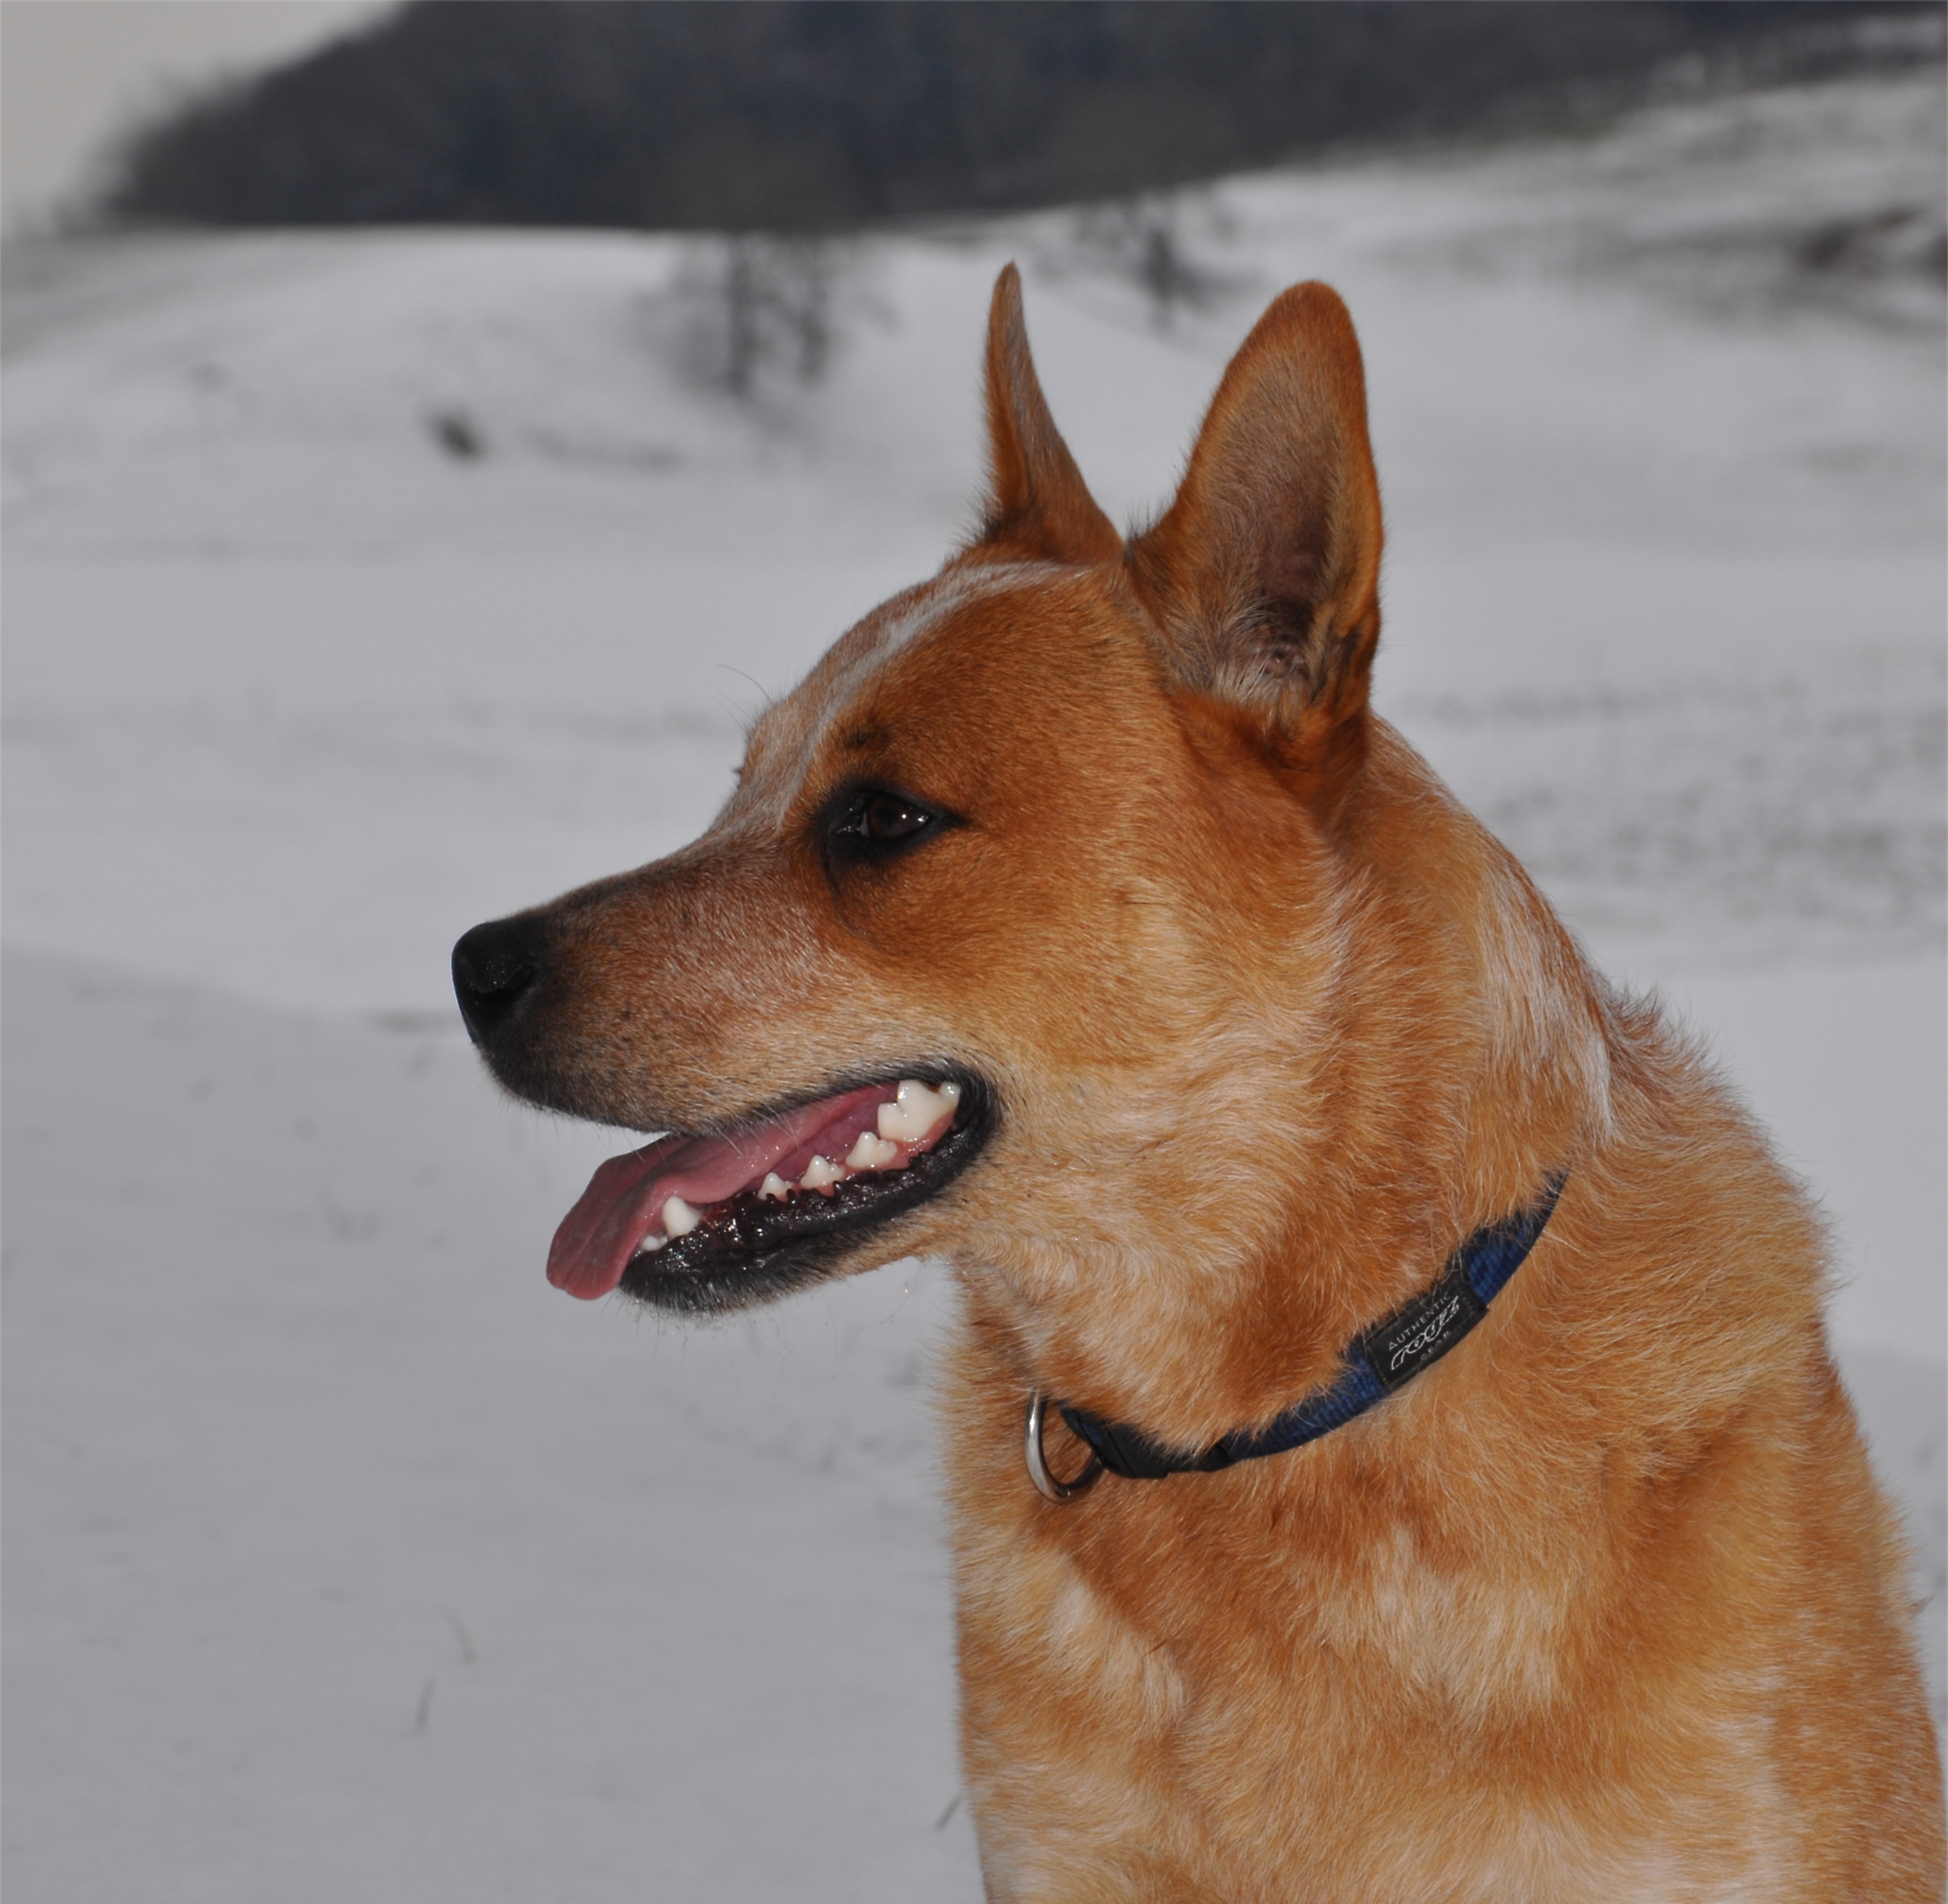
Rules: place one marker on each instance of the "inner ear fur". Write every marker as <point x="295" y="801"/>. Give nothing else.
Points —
<point x="1038" y="507"/>
<point x="1264" y="575"/>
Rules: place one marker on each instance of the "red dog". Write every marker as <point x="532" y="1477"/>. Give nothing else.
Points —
<point x="1483" y="1518"/>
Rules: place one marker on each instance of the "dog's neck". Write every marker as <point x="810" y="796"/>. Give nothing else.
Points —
<point x="1378" y="1361"/>
<point x="1405" y="1061"/>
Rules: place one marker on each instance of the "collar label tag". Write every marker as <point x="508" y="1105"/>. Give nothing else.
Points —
<point x="1421" y="1330"/>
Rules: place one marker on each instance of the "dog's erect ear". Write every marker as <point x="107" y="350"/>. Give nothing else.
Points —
<point x="1264" y="576"/>
<point x="1039" y="509"/>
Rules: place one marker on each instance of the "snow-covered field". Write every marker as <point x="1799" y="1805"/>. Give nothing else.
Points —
<point x="344" y="1557"/>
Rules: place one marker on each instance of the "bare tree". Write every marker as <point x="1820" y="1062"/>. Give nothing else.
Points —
<point x="764" y="305"/>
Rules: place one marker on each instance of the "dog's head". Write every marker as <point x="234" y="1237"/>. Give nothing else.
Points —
<point x="1063" y="920"/>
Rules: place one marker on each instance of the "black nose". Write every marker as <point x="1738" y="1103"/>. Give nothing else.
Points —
<point x="495" y="967"/>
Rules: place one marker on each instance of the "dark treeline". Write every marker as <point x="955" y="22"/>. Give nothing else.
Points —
<point x="810" y="115"/>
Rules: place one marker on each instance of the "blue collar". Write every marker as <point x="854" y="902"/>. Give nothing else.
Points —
<point x="1375" y="1362"/>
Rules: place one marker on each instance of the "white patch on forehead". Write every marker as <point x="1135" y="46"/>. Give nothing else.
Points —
<point x="827" y="695"/>
<point x="907" y="617"/>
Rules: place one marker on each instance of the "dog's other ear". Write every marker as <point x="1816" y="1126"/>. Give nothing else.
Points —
<point x="1264" y="576"/>
<point x="1039" y="509"/>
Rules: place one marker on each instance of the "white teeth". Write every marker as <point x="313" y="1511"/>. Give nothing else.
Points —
<point x="870" y="1153"/>
<point x="917" y="1111"/>
<point x="774" y="1186"/>
<point x="651" y="1245"/>
<point x="820" y="1172"/>
<point x="679" y="1219"/>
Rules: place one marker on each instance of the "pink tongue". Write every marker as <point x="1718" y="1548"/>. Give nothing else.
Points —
<point x="624" y="1198"/>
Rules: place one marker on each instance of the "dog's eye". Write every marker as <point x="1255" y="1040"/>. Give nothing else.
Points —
<point x="871" y="822"/>
<point x="886" y="816"/>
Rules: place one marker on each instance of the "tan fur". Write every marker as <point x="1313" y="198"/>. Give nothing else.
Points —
<point x="1606" y="1605"/>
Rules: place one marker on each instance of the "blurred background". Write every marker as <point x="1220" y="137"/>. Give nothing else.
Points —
<point x="430" y="433"/>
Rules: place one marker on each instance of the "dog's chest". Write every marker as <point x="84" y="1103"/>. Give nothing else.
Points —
<point x="1341" y="1730"/>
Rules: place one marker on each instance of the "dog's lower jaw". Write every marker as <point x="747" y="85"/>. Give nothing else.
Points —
<point x="753" y="1281"/>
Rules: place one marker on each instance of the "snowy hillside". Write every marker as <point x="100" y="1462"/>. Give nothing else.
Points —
<point x="359" y="587"/>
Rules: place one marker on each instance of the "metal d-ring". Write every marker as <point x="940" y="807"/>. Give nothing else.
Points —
<point x="1046" y="1486"/>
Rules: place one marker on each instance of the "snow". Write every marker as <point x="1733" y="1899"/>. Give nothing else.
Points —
<point x="345" y="1556"/>
<point x="358" y="1562"/>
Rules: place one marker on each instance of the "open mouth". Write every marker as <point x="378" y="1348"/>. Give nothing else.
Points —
<point x="693" y="1222"/>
